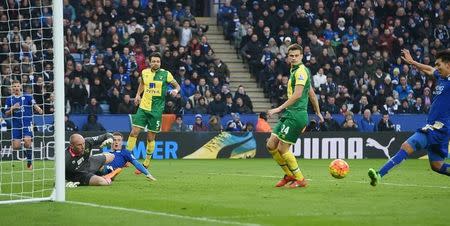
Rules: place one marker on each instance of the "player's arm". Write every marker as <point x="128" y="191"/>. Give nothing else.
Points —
<point x="174" y="83"/>
<point x="139" y="166"/>
<point x="291" y="100"/>
<point x="427" y="69"/>
<point x="100" y="140"/>
<point x="37" y="108"/>
<point x="315" y="103"/>
<point x="139" y="92"/>
<point x="130" y="158"/>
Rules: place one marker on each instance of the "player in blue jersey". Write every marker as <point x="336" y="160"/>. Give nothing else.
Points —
<point x="122" y="156"/>
<point x="20" y="107"/>
<point x="435" y="134"/>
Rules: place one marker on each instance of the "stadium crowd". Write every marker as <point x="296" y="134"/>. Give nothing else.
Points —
<point x="107" y="44"/>
<point x="352" y="48"/>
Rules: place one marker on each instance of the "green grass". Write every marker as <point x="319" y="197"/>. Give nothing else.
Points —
<point x="242" y="191"/>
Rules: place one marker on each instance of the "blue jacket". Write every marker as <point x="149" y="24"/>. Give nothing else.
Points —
<point x="367" y="125"/>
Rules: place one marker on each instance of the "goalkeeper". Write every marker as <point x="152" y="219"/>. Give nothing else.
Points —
<point x="81" y="167"/>
<point x="122" y="156"/>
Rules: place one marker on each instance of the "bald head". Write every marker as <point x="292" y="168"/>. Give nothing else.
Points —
<point x="77" y="143"/>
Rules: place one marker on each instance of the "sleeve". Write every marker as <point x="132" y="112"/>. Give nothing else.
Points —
<point x="436" y="74"/>
<point x="170" y="78"/>
<point x="7" y="103"/>
<point x="139" y="166"/>
<point x="301" y="76"/>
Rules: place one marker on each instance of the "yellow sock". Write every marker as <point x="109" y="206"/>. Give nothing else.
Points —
<point x="276" y="155"/>
<point x="150" y="149"/>
<point x="131" y="143"/>
<point x="293" y="165"/>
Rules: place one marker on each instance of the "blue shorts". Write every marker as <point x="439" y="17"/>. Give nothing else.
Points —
<point x="21" y="132"/>
<point x="435" y="142"/>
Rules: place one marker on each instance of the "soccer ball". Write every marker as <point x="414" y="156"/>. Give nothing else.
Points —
<point x="339" y="168"/>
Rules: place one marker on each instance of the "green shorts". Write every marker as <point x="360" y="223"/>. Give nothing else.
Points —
<point x="290" y="126"/>
<point x="144" y="118"/>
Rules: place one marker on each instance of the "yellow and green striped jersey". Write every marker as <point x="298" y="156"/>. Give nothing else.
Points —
<point x="155" y="89"/>
<point x="300" y="75"/>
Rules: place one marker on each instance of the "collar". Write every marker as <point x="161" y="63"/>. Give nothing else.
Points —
<point x="295" y="66"/>
<point x="72" y="154"/>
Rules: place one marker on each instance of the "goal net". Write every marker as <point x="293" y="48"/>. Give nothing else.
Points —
<point x="29" y="109"/>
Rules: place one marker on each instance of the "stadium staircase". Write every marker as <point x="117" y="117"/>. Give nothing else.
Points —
<point x="239" y="73"/>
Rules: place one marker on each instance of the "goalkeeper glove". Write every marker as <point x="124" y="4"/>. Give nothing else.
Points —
<point x="107" y="143"/>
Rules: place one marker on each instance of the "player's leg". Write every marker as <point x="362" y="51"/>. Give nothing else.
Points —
<point x="436" y="155"/>
<point x="272" y="148"/>
<point x="290" y="129"/>
<point x="139" y="121"/>
<point x="417" y="141"/>
<point x="292" y="163"/>
<point x="154" y="126"/>
<point x="96" y="162"/>
<point x="99" y="181"/>
<point x="28" y="148"/>
<point x="150" y="148"/>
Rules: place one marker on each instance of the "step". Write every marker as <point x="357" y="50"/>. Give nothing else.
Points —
<point x="206" y="20"/>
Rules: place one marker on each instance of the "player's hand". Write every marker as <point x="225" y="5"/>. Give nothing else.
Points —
<point x="273" y="111"/>
<point x="40" y="111"/>
<point x="150" y="177"/>
<point x="137" y="100"/>
<point x="71" y="184"/>
<point x="173" y="92"/>
<point x="106" y="143"/>
<point x="406" y="56"/>
<point x="15" y="106"/>
<point x="320" y="117"/>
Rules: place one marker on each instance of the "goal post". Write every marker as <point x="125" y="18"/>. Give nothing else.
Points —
<point x="32" y="39"/>
<point x="58" y="46"/>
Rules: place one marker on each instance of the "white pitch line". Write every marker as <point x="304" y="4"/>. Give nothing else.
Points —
<point x="352" y="181"/>
<point x="149" y="212"/>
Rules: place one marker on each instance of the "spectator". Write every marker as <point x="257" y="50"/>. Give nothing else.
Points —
<point x="249" y="127"/>
<point x="69" y="125"/>
<point x="217" y="106"/>
<point x="187" y="89"/>
<point x="385" y="124"/>
<point x="349" y="124"/>
<point x="198" y="125"/>
<point x="329" y="123"/>
<point x="92" y="124"/>
<point x="178" y="125"/>
<point x="262" y="125"/>
<point x="367" y="124"/>
<point x="214" y="124"/>
<point x="126" y="107"/>
<point x="241" y="108"/>
<point x="201" y="107"/>
<point x="77" y="96"/>
<point x="93" y="107"/>
<point x="235" y="124"/>
<point x="312" y="126"/>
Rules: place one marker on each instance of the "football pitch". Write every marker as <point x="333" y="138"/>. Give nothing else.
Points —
<point x="242" y="192"/>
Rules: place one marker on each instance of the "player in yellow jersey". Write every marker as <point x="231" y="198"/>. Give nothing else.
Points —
<point x="153" y="86"/>
<point x="294" y="119"/>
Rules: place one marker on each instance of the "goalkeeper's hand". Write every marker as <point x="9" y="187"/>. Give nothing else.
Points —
<point x="106" y="143"/>
<point x="71" y="184"/>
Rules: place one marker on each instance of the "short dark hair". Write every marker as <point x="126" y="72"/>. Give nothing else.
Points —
<point x="444" y="55"/>
<point x="155" y="54"/>
<point x="295" y="47"/>
<point x="118" y="134"/>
